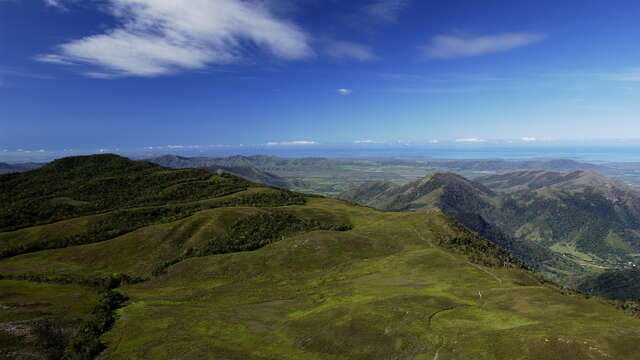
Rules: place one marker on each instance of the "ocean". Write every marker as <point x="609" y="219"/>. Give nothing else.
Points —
<point x="593" y="154"/>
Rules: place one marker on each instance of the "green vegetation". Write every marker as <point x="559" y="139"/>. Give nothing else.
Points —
<point x="253" y="232"/>
<point x="79" y="186"/>
<point x="264" y="273"/>
<point x="39" y="319"/>
<point x="86" y="343"/>
<point x="565" y="225"/>
<point x="330" y="176"/>
<point x="618" y="284"/>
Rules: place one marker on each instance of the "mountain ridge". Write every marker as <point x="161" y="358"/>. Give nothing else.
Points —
<point x="565" y="224"/>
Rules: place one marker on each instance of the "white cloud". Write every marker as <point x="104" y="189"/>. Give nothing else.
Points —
<point x="344" y="92"/>
<point x="99" y="75"/>
<point x="350" y="50"/>
<point x="56" y="3"/>
<point x="529" y="139"/>
<point x="158" y="37"/>
<point x="295" y="142"/>
<point x="452" y="46"/>
<point x="434" y="141"/>
<point x="367" y="141"/>
<point x="385" y="10"/>
<point x="53" y="59"/>
<point x="470" y="140"/>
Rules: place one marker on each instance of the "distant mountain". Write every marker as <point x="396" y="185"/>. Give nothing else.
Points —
<point x="537" y="179"/>
<point x="259" y="161"/>
<point x="580" y="214"/>
<point x="6" y="168"/>
<point x="240" y="166"/>
<point x="250" y="173"/>
<point x="446" y="191"/>
<point x="566" y="224"/>
<point x="513" y="165"/>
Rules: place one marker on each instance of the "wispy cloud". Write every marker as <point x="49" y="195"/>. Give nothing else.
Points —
<point x="385" y="10"/>
<point x="56" y="3"/>
<point x="350" y="50"/>
<point x="344" y="92"/>
<point x="53" y="59"/>
<point x="367" y="141"/>
<point x="460" y="45"/>
<point x="529" y="139"/>
<point x="470" y="140"/>
<point x="629" y="75"/>
<point x="18" y="73"/>
<point x="295" y="142"/>
<point x="433" y="91"/>
<point x="156" y="38"/>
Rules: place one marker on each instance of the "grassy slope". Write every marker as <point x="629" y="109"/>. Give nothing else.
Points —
<point x="382" y="290"/>
<point x="572" y="224"/>
<point x="170" y="212"/>
<point x="385" y="289"/>
<point x="469" y="203"/>
<point x="23" y="304"/>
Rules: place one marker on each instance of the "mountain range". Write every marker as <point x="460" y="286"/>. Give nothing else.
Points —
<point x="6" y="168"/>
<point x="238" y="166"/>
<point x="105" y="257"/>
<point x="567" y="225"/>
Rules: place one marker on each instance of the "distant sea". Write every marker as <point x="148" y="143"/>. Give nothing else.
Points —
<point x="588" y="154"/>
<point x="594" y="154"/>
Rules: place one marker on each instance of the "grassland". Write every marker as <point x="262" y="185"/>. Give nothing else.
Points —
<point x="341" y="281"/>
<point x="28" y="309"/>
<point x="383" y="290"/>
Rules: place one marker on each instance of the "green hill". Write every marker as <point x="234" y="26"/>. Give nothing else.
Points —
<point x="468" y="202"/>
<point x="564" y="224"/>
<point x="263" y="273"/>
<point x="237" y="166"/>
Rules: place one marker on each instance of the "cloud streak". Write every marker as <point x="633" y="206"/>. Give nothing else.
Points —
<point x="470" y="140"/>
<point x="455" y="46"/>
<point x="295" y="142"/>
<point x="385" y="10"/>
<point x="159" y="37"/>
<point x="350" y="50"/>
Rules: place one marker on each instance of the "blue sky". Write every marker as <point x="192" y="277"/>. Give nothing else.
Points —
<point x="151" y="73"/>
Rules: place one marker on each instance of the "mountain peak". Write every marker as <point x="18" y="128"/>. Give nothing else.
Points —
<point x="94" y="164"/>
<point x="437" y="190"/>
<point x="456" y="181"/>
